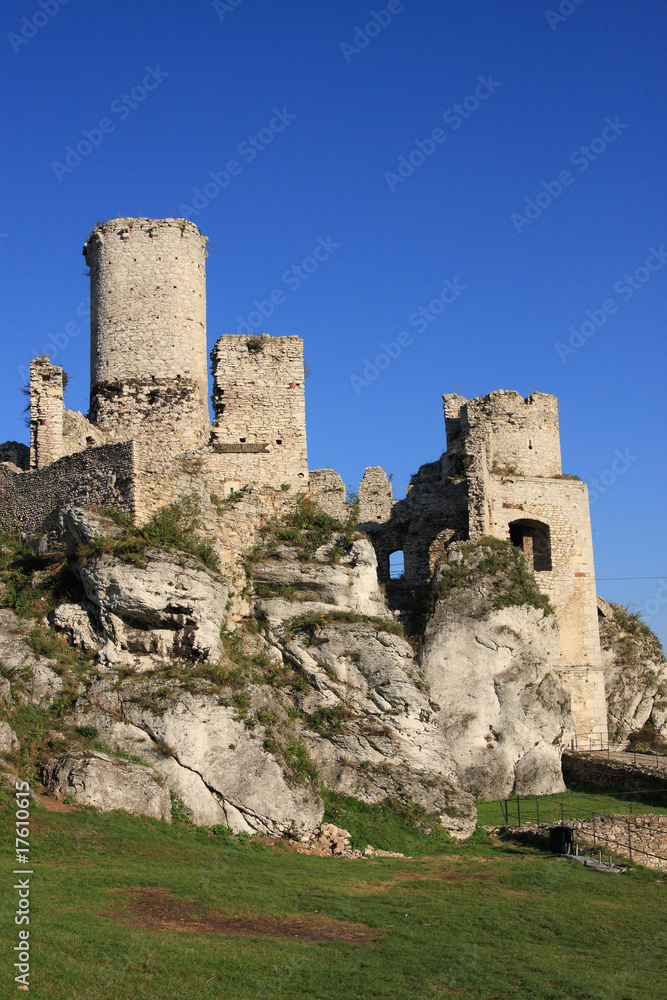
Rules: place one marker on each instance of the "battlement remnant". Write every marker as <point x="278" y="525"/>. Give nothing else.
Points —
<point x="46" y="413"/>
<point x="516" y="434"/>
<point x="148" y="363"/>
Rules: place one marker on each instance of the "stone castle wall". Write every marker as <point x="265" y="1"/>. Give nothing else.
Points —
<point x="149" y="373"/>
<point x="375" y="496"/>
<point x="98" y="477"/>
<point x="433" y="513"/>
<point x="259" y="430"/>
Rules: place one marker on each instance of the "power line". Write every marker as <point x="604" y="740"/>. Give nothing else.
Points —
<point x="600" y="578"/>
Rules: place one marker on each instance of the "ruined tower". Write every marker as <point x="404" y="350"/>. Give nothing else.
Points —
<point x="509" y="448"/>
<point x="149" y="378"/>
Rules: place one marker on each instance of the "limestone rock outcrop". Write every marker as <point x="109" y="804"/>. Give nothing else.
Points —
<point x="32" y="679"/>
<point x="635" y="672"/>
<point x="349" y="584"/>
<point x="368" y="725"/>
<point x="169" y="606"/>
<point x="8" y="739"/>
<point x="502" y="710"/>
<point x="205" y="754"/>
<point x="97" y="779"/>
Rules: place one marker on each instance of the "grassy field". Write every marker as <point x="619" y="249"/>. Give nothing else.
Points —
<point x="124" y="907"/>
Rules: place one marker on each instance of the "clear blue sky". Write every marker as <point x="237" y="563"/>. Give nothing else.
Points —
<point x="316" y="117"/>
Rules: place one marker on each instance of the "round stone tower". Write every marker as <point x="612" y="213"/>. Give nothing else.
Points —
<point x="148" y="360"/>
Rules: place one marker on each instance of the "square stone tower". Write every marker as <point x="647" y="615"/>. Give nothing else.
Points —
<point x="508" y="448"/>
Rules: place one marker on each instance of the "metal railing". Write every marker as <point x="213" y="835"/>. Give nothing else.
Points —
<point x="557" y="812"/>
<point x="595" y="743"/>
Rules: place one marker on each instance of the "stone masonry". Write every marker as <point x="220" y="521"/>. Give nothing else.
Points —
<point x="259" y="429"/>
<point x="46" y="413"/>
<point x="501" y="476"/>
<point x="148" y="363"/>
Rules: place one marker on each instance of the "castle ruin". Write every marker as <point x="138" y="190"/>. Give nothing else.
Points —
<point x="148" y="439"/>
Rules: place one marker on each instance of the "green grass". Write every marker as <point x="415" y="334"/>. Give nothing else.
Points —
<point x="387" y="826"/>
<point x="576" y="805"/>
<point x="477" y="921"/>
<point x="499" y="563"/>
<point x="176" y="526"/>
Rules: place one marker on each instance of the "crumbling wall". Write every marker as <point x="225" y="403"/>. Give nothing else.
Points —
<point x="100" y="477"/>
<point x="328" y="491"/>
<point x="375" y="496"/>
<point x="517" y="435"/>
<point x="259" y="430"/>
<point x="46" y="413"/>
<point x="433" y="513"/>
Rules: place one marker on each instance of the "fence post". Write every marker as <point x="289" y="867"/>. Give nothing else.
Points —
<point x="518" y="810"/>
<point x="562" y="819"/>
<point x="594" y="841"/>
<point x="537" y="806"/>
<point x="629" y="841"/>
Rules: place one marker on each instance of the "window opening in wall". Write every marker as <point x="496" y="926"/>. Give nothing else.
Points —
<point x="279" y="441"/>
<point x="534" y="540"/>
<point x="396" y="565"/>
<point x="242" y="440"/>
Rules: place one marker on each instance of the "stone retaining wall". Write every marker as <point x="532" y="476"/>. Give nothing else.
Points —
<point x="595" y="769"/>
<point x="628" y="836"/>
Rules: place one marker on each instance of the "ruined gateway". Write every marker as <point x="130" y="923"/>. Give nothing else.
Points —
<point x="333" y="693"/>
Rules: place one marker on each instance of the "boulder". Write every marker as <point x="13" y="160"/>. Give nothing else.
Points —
<point x="97" y="779"/>
<point x="82" y="526"/>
